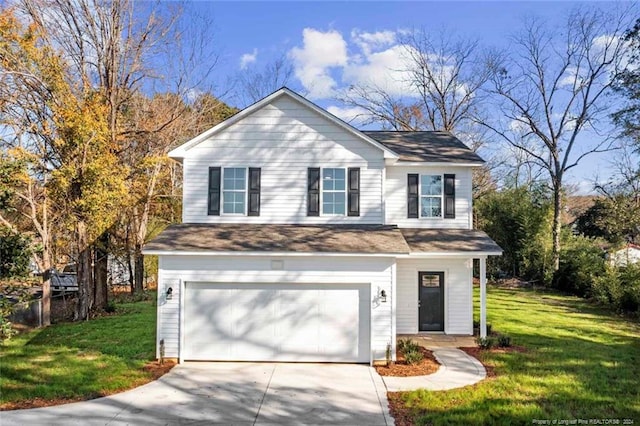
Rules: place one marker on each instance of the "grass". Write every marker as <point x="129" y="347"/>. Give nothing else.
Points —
<point x="582" y="363"/>
<point x="76" y="361"/>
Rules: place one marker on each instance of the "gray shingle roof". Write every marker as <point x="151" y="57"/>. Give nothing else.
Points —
<point x="368" y="239"/>
<point x="363" y="239"/>
<point x="434" y="147"/>
<point x="444" y="240"/>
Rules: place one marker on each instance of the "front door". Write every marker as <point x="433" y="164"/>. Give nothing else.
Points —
<point x="431" y="301"/>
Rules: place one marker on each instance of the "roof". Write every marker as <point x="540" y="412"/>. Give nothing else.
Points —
<point x="340" y="239"/>
<point x="433" y="147"/>
<point x="370" y="239"/>
<point x="181" y="151"/>
<point x="446" y="240"/>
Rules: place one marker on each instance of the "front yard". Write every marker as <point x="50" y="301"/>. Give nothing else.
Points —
<point x="582" y="363"/>
<point x="76" y="361"/>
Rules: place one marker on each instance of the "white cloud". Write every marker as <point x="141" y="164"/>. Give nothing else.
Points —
<point x="320" y="51"/>
<point x="352" y="115"/>
<point x="373" y="41"/>
<point x="386" y="70"/>
<point x="248" y="58"/>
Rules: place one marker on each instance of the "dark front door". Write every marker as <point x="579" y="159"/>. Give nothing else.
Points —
<point x="431" y="306"/>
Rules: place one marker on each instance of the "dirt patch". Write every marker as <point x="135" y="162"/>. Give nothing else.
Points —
<point x="401" y="368"/>
<point x="402" y="415"/>
<point x="154" y="368"/>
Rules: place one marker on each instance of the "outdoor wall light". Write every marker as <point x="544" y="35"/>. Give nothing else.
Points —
<point x="383" y="296"/>
<point x="169" y="293"/>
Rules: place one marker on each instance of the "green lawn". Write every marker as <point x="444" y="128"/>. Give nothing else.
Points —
<point x="79" y="360"/>
<point x="582" y="363"/>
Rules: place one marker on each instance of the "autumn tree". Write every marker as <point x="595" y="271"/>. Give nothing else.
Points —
<point x="551" y="91"/>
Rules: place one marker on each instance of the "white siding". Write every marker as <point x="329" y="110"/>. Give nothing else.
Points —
<point x="396" y="198"/>
<point x="458" y="294"/>
<point x="283" y="139"/>
<point x="376" y="272"/>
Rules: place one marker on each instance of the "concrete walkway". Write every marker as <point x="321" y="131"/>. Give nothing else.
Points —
<point x="233" y="394"/>
<point x="457" y="368"/>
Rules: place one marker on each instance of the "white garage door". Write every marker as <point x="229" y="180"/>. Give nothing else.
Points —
<point x="276" y="322"/>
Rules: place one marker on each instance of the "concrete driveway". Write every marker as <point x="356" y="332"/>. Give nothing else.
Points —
<point x="233" y="394"/>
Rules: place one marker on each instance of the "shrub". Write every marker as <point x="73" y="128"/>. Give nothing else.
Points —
<point x="485" y="342"/>
<point x="580" y="263"/>
<point x="630" y="288"/>
<point x="15" y="254"/>
<point x="111" y="307"/>
<point x="504" y="341"/>
<point x="413" y="357"/>
<point x="407" y="345"/>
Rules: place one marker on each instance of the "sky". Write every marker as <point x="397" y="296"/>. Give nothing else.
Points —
<point x="334" y="44"/>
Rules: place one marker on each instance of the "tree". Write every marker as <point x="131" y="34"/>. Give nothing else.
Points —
<point x="254" y="84"/>
<point x="551" y="89"/>
<point x="518" y="219"/>
<point x="627" y="83"/>
<point x="442" y="76"/>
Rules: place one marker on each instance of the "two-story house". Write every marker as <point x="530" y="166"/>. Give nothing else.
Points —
<point x="305" y="239"/>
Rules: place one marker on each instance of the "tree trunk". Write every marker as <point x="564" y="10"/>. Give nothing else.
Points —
<point x="100" y="271"/>
<point x="138" y="259"/>
<point x="84" y="272"/>
<point x="557" y="224"/>
<point x="46" y="287"/>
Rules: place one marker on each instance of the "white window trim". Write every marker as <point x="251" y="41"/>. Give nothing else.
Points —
<point x="246" y="191"/>
<point x="345" y="192"/>
<point x="441" y="196"/>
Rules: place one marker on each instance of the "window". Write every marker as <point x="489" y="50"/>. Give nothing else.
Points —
<point x="430" y="196"/>
<point x="234" y="189"/>
<point x="334" y="190"/>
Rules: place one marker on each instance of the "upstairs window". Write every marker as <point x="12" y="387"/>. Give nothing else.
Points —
<point x="234" y="190"/>
<point x="334" y="190"/>
<point x="430" y="195"/>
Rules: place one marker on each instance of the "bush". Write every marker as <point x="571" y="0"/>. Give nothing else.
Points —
<point x="580" y="264"/>
<point x="630" y="288"/>
<point x="413" y="357"/>
<point x="15" y="254"/>
<point x="504" y="341"/>
<point x="407" y="345"/>
<point x="485" y="342"/>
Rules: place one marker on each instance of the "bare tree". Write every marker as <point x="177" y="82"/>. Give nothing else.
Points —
<point x="552" y="86"/>
<point x="254" y="84"/>
<point x="442" y="75"/>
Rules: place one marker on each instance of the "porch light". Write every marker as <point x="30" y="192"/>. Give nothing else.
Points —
<point x="383" y="296"/>
<point x="169" y="293"/>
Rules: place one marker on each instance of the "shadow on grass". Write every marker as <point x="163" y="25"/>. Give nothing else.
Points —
<point x="583" y="362"/>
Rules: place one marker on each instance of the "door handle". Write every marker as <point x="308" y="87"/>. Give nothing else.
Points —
<point x="419" y="303"/>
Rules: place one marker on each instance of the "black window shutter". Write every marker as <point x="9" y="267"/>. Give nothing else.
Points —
<point x="353" y="192"/>
<point x="450" y="196"/>
<point x="254" y="192"/>
<point x="412" y="195"/>
<point x="213" y="208"/>
<point x="313" y="191"/>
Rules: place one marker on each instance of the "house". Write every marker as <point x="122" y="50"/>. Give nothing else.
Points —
<point x="305" y="239"/>
<point x="627" y="255"/>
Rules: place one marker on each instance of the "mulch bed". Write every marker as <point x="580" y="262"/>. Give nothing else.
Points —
<point x="404" y="416"/>
<point x="400" y="368"/>
<point x="154" y="367"/>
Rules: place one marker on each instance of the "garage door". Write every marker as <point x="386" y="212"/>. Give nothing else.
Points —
<point x="276" y="322"/>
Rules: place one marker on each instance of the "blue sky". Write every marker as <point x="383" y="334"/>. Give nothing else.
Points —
<point x="334" y="44"/>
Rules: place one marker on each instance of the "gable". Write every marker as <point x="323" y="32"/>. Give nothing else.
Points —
<point x="282" y="119"/>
